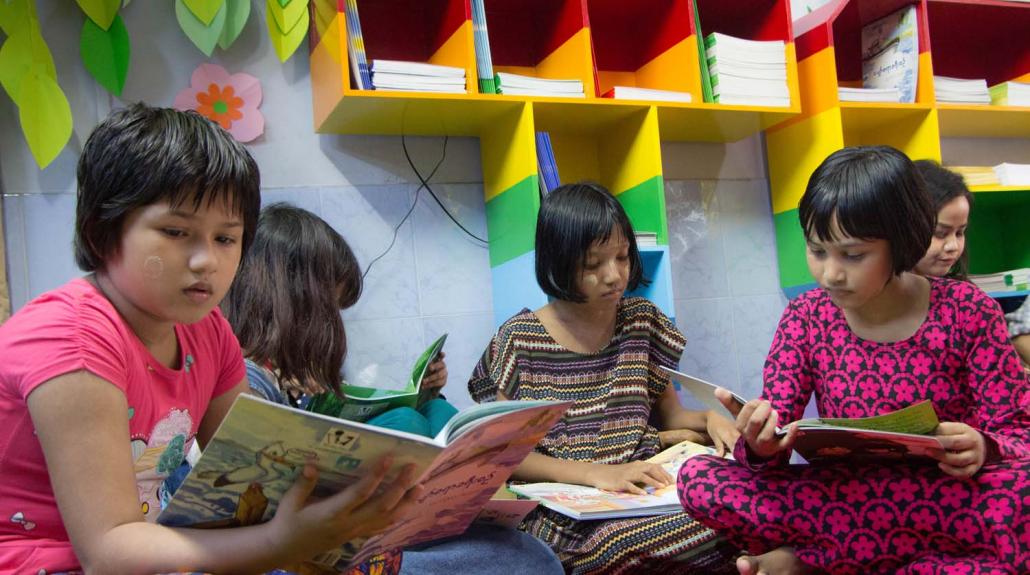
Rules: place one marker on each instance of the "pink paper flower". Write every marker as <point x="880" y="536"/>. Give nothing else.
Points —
<point x="230" y="100"/>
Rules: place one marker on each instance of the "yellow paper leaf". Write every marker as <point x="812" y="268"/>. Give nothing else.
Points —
<point x="204" y="10"/>
<point x="286" y="44"/>
<point x="46" y="117"/>
<point x="22" y="53"/>
<point x="101" y="12"/>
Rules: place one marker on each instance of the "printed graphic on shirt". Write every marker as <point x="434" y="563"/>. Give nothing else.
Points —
<point x="154" y="458"/>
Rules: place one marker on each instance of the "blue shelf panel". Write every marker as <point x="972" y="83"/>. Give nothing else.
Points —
<point x="658" y="269"/>
<point x="514" y="287"/>
<point x="1006" y="294"/>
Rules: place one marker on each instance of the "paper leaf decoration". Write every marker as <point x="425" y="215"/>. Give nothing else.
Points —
<point x="204" y="10"/>
<point x="102" y="12"/>
<point x="14" y="15"/>
<point x="23" y="53"/>
<point x="105" y="53"/>
<point x="286" y="17"/>
<point x="286" y="43"/>
<point x="46" y="117"/>
<point x="237" y="12"/>
<point x="204" y="37"/>
<point x="230" y="100"/>
<point x="283" y="3"/>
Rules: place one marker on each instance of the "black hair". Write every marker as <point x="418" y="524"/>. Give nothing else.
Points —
<point x="572" y="218"/>
<point x="875" y="192"/>
<point x="141" y="155"/>
<point x="944" y="185"/>
<point x="283" y="305"/>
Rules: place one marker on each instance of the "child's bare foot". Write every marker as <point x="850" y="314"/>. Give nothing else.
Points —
<point x="781" y="561"/>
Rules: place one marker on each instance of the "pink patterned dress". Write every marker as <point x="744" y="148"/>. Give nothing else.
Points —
<point x="894" y="517"/>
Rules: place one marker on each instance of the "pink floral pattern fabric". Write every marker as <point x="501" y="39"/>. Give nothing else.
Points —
<point x="905" y="517"/>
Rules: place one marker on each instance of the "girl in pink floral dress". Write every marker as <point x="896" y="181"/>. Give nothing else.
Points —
<point x="874" y="338"/>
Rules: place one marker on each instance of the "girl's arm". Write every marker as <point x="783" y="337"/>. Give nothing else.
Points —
<point x="622" y="477"/>
<point x="216" y="411"/>
<point x="82" y="424"/>
<point x="673" y="416"/>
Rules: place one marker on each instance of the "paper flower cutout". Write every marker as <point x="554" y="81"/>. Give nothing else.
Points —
<point x="230" y="100"/>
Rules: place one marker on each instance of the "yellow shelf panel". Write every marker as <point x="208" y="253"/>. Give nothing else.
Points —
<point x="991" y="189"/>
<point x="706" y="122"/>
<point x="984" y="121"/>
<point x="877" y="116"/>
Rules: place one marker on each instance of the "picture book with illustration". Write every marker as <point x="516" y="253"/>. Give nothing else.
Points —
<point x="261" y="446"/>
<point x="581" y="502"/>
<point x="890" y="53"/>
<point x="362" y="403"/>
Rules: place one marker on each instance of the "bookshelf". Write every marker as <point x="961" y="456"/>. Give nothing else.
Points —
<point x="650" y="43"/>
<point x="998" y="237"/>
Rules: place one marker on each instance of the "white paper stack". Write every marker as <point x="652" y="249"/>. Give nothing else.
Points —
<point x="1013" y="174"/>
<point x="634" y="93"/>
<point x="977" y="175"/>
<point x="1011" y="280"/>
<point x="518" y="85"/>
<point x="748" y="72"/>
<point x="1010" y="94"/>
<point x="959" y="91"/>
<point x="417" y="77"/>
<point x="847" y="94"/>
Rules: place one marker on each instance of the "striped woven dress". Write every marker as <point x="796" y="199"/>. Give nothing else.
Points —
<point x="614" y="392"/>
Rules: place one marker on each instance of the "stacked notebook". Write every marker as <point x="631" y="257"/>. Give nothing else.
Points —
<point x="481" y="39"/>
<point x="417" y="77"/>
<point x="1010" y="94"/>
<point x="748" y="72"/>
<point x="634" y="93"/>
<point x="1013" y="174"/>
<point x="977" y="175"/>
<point x="847" y="94"/>
<point x="959" y="91"/>
<point x="1011" y="280"/>
<point x="518" y="85"/>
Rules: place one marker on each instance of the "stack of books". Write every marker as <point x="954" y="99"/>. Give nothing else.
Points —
<point x="846" y="94"/>
<point x="1013" y="174"/>
<point x="634" y="93"/>
<point x="481" y="39"/>
<point x="977" y="175"/>
<point x="959" y="91"/>
<point x="646" y="239"/>
<point x="748" y="72"/>
<point x="1011" y="280"/>
<point x="417" y="77"/>
<point x="518" y="85"/>
<point x="356" y="47"/>
<point x="1010" y="94"/>
<point x="546" y="165"/>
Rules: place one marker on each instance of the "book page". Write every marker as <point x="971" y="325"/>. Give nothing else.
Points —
<point x="918" y="419"/>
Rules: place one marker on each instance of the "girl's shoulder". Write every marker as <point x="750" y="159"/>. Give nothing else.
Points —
<point x="76" y="306"/>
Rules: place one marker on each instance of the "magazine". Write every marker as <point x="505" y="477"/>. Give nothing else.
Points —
<point x="261" y="446"/>
<point x="890" y="53"/>
<point x="363" y="403"/>
<point x="581" y="502"/>
<point x="704" y="392"/>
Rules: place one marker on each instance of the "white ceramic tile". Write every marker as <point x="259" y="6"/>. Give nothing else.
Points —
<point x="453" y="268"/>
<point x="710" y="353"/>
<point x="381" y="353"/>
<point x="468" y="336"/>
<point x="306" y="198"/>
<point x="749" y="237"/>
<point x="366" y="217"/>
<point x="754" y="323"/>
<point x="695" y="240"/>
<point x="14" y="245"/>
<point x="49" y="225"/>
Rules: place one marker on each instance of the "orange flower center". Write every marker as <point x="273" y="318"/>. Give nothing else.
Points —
<point x="221" y="104"/>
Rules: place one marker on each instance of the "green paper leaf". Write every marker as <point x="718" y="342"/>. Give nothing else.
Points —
<point x="102" y="12"/>
<point x="203" y="37"/>
<point x="14" y="15"/>
<point x="205" y="10"/>
<point x="287" y="16"/>
<point x="237" y="12"/>
<point x="46" y="117"/>
<point x="286" y="44"/>
<point x="23" y="53"/>
<point x="283" y="3"/>
<point x="106" y="53"/>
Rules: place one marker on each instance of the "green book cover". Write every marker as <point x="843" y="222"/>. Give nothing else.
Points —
<point x="488" y="85"/>
<point x="702" y="56"/>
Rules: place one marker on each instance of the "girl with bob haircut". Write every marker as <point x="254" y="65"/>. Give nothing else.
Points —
<point x="952" y="202"/>
<point x="875" y="337"/>
<point x="601" y="350"/>
<point x="107" y="381"/>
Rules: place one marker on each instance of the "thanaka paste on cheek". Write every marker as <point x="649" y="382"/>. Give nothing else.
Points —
<point x="153" y="267"/>
<point x="590" y="280"/>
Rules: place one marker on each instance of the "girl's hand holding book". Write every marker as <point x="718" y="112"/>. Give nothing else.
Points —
<point x="723" y="432"/>
<point x="628" y="477"/>
<point x="757" y="422"/>
<point x="436" y="375"/>
<point x="965" y="449"/>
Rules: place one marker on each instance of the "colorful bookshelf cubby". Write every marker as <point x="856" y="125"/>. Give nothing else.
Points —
<point x="651" y="43"/>
<point x="998" y="237"/>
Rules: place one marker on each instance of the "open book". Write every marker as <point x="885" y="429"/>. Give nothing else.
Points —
<point x="704" y="391"/>
<point x="261" y="446"/>
<point x="364" y="403"/>
<point x="582" y="502"/>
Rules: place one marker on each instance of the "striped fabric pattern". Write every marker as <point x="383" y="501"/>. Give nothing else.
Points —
<point x="613" y="392"/>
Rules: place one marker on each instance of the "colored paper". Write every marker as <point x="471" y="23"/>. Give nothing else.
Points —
<point x="105" y="53"/>
<point x="14" y="15"/>
<point x="237" y="13"/>
<point x="203" y="36"/>
<point x="287" y="15"/>
<point x="46" y="117"/>
<point x="204" y="10"/>
<point x="286" y="44"/>
<point x="231" y="100"/>
<point x="24" y="52"/>
<point x="102" y="12"/>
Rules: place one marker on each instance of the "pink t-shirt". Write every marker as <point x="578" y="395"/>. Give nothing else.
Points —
<point x="76" y="328"/>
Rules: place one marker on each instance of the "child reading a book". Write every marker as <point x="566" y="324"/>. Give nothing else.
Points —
<point x="873" y="338"/>
<point x="285" y="309"/>
<point x="106" y="381"/>
<point x="603" y="351"/>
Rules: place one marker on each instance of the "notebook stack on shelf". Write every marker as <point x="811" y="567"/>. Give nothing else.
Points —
<point x="646" y="239"/>
<point x="1010" y="94"/>
<point x="847" y="94"/>
<point x="634" y="93"/>
<point x="1013" y="174"/>
<point x="747" y="72"/>
<point x="1011" y="280"/>
<point x="977" y="175"/>
<point x="356" y="47"/>
<point x="959" y="91"/>
<point x="546" y="165"/>
<point x="417" y="77"/>
<point x="518" y="85"/>
<point x="481" y="39"/>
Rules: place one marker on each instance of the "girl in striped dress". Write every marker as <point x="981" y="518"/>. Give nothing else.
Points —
<point x="602" y="351"/>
